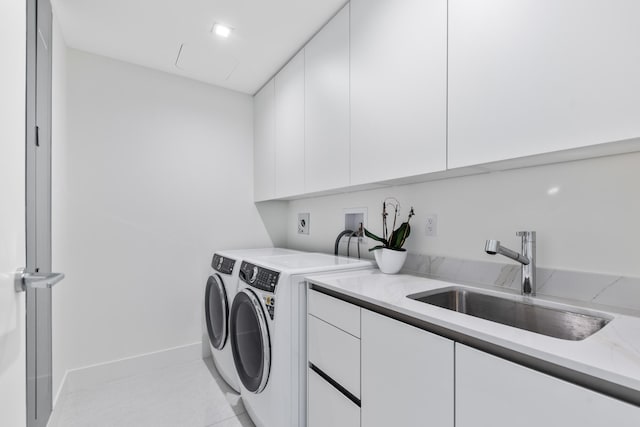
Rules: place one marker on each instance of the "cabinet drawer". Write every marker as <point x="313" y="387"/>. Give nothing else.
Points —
<point x="332" y="310"/>
<point x="328" y="407"/>
<point x="336" y="353"/>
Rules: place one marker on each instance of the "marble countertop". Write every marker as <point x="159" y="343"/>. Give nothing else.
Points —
<point x="611" y="354"/>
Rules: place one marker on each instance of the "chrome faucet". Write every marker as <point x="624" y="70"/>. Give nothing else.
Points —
<point x="527" y="258"/>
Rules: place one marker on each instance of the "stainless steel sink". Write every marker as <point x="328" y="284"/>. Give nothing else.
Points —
<point x="553" y="322"/>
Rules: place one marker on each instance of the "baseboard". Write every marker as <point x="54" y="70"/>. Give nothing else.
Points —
<point x="101" y="373"/>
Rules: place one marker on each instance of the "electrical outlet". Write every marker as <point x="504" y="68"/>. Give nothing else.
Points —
<point x="431" y="228"/>
<point x="303" y="223"/>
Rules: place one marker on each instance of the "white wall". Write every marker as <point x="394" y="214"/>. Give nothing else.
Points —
<point x="158" y="176"/>
<point x="590" y="225"/>
<point x="12" y="226"/>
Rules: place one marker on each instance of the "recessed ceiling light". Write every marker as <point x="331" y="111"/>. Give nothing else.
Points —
<point x="221" y="30"/>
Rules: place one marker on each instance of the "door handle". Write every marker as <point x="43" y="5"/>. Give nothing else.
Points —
<point x="36" y="280"/>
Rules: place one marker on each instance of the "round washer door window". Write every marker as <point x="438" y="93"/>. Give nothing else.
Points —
<point x="250" y="341"/>
<point x="216" y="308"/>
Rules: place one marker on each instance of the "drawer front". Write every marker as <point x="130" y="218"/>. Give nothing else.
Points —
<point x="336" y="353"/>
<point x="328" y="407"/>
<point x="332" y="310"/>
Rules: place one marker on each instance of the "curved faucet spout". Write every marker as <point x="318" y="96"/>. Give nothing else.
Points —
<point x="527" y="258"/>
<point x="493" y="247"/>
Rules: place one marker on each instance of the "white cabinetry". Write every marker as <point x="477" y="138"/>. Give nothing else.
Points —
<point x="493" y="392"/>
<point x="537" y="76"/>
<point x="328" y="407"/>
<point x="335" y="354"/>
<point x="264" y="148"/>
<point x="398" y="88"/>
<point x="327" y="106"/>
<point x="289" y="100"/>
<point x="407" y="375"/>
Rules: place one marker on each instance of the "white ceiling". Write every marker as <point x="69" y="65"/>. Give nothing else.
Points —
<point x="153" y="32"/>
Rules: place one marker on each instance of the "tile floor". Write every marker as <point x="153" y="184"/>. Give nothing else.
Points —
<point x="184" y="395"/>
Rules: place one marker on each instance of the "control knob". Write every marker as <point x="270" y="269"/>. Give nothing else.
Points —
<point x="254" y="274"/>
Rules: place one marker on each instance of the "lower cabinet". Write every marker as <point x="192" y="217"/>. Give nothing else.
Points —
<point x="493" y="392"/>
<point x="369" y="370"/>
<point x="333" y="350"/>
<point x="407" y="374"/>
<point x="328" y="406"/>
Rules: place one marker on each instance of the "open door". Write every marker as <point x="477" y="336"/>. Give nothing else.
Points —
<point x="38" y="279"/>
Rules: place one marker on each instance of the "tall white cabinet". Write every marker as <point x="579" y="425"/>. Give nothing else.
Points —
<point x="398" y="88"/>
<point x="289" y="128"/>
<point x="264" y="143"/>
<point x="493" y="392"/>
<point x="327" y="106"/>
<point x="536" y="76"/>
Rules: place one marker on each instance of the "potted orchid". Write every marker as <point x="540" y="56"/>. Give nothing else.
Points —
<point x="390" y="255"/>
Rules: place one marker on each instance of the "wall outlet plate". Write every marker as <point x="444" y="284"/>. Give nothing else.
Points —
<point x="303" y="223"/>
<point x="431" y="228"/>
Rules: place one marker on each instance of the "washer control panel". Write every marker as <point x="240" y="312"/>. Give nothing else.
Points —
<point x="222" y="264"/>
<point x="259" y="277"/>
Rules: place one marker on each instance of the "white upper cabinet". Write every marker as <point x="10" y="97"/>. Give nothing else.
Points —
<point x="327" y="106"/>
<point x="398" y="88"/>
<point x="289" y="101"/>
<point x="537" y="76"/>
<point x="264" y="149"/>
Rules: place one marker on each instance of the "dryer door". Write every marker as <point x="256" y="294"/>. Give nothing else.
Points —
<point x="250" y="341"/>
<point x="216" y="308"/>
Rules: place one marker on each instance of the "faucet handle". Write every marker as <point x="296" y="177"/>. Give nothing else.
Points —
<point x="528" y="235"/>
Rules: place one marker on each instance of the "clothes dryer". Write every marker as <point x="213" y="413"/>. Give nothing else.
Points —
<point x="268" y="333"/>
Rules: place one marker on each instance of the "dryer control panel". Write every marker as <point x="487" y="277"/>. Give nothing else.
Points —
<point x="259" y="277"/>
<point x="222" y="264"/>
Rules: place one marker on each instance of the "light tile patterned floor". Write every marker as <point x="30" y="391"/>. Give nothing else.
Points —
<point x="184" y="395"/>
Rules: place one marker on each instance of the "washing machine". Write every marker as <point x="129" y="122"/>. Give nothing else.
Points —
<point x="219" y="293"/>
<point x="268" y="333"/>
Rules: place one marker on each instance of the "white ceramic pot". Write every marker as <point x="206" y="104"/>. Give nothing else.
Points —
<point x="390" y="261"/>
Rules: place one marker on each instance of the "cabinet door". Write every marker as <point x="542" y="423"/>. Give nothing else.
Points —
<point x="289" y="94"/>
<point x="407" y="375"/>
<point x="327" y="106"/>
<point x="398" y="88"/>
<point x="537" y="76"/>
<point x="492" y="392"/>
<point x="264" y="149"/>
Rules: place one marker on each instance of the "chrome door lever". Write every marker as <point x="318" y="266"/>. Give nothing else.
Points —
<point x="36" y="280"/>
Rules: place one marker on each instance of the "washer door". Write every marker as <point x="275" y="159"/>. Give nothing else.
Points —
<point x="216" y="308"/>
<point x="250" y="341"/>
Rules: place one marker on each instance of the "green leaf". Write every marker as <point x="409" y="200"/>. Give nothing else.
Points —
<point x="399" y="236"/>
<point x="376" y="247"/>
<point x="374" y="237"/>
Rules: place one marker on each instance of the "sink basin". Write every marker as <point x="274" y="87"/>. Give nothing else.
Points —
<point x="553" y="322"/>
